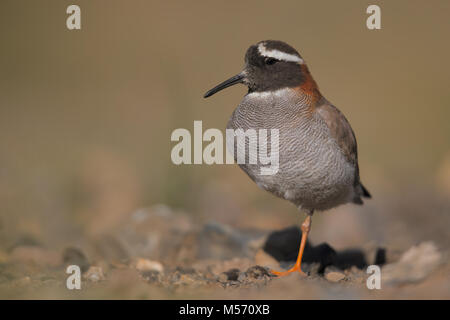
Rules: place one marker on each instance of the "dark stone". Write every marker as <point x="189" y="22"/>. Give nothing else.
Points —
<point x="257" y="272"/>
<point x="74" y="256"/>
<point x="232" y="274"/>
<point x="348" y="258"/>
<point x="284" y="245"/>
<point x="380" y="257"/>
<point x="185" y="270"/>
<point x="151" y="276"/>
<point x="322" y="253"/>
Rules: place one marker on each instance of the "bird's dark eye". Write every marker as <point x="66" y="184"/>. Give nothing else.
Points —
<point x="270" y="61"/>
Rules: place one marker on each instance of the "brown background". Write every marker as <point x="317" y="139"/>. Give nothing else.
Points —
<point x="86" y="116"/>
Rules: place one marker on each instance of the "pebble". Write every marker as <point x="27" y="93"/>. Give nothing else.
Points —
<point x="257" y="272"/>
<point x="222" y="277"/>
<point x="94" y="274"/>
<point x="74" y="256"/>
<point x="232" y="274"/>
<point x="145" y="265"/>
<point x="334" y="276"/>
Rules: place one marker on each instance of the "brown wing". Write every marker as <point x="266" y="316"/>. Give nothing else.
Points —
<point x="342" y="132"/>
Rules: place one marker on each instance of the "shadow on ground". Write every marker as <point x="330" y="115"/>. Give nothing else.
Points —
<point x="284" y="245"/>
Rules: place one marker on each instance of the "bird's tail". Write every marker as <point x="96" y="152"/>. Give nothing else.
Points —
<point x="365" y="192"/>
<point x="361" y="192"/>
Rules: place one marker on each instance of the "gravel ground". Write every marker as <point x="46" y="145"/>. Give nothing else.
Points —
<point x="162" y="254"/>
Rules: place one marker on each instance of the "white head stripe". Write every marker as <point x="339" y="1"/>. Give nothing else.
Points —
<point x="279" y="55"/>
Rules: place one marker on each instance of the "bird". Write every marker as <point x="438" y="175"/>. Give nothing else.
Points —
<point x="318" y="158"/>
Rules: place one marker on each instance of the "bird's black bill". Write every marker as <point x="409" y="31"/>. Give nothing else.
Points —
<point x="227" y="83"/>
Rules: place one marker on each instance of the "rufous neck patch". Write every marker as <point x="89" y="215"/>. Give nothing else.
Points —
<point x="309" y="86"/>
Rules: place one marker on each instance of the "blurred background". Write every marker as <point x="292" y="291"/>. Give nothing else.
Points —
<point x="86" y="115"/>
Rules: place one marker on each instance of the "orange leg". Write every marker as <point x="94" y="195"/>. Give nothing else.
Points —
<point x="306" y="227"/>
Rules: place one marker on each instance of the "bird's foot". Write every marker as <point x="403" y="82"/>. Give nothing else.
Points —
<point x="285" y="273"/>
